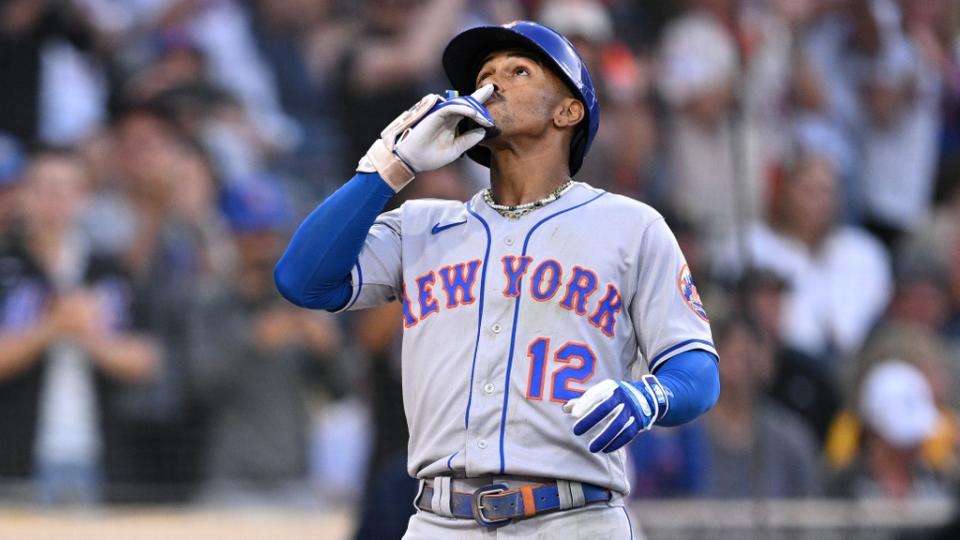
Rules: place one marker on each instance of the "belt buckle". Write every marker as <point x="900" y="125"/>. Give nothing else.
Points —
<point x="477" y="505"/>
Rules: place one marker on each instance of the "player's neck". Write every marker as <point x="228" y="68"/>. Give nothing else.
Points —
<point x="518" y="180"/>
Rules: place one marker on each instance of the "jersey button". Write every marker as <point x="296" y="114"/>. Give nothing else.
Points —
<point x="481" y="444"/>
<point x="488" y="388"/>
<point x="508" y="241"/>
<point x="496" y="328"/>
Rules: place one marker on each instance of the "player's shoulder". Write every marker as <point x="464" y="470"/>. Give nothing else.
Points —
<point x="419" y="213"/>
<point x="432" y="208"/>
<point x="620" y="208"/>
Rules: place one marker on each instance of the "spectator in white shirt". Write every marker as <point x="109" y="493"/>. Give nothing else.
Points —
<point x="839" y="275"/>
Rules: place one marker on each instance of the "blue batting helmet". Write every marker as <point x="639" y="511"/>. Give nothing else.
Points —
<point x="466" y="51"/>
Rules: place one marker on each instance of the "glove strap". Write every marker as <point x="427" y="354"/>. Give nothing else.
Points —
<point x="381" y="157"/>
<point x="391" y="168"/>
<point x="657" y="394"/>
<point x="650" y="396"/>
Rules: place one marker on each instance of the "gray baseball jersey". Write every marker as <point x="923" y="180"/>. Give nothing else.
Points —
<point x="507" y="319"/>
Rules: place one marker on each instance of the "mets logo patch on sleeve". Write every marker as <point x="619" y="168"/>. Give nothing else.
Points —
<point x="689" y="292"/>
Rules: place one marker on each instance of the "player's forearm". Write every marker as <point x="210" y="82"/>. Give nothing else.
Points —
<point x="314" y="271"/>
<point x="694" y="382"/>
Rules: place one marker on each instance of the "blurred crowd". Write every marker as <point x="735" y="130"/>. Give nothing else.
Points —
<point x="156" y="154"/>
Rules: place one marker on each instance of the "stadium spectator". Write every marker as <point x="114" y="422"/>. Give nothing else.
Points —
<point x="888" y="464"/>
<point x="302" y="40"/>
<point x="27" y="28"/>
<point x="747" y="446"/>
<point x="756" y="448"/>
<point x="248" y="353"/>
<point x="389" y="61"/>
<point x="670" y="462"/>
<point x="718" y="153"/>
<point x="73" y="335"/>
<point x="839" y="276"/>
<point x="158" y="213"/>
<point x="923" y="349"/>
<point x="900" y="84"/>
<point x="936" y="244"/>
<point x="798" y="382"/>
<point x="219" y="35"/>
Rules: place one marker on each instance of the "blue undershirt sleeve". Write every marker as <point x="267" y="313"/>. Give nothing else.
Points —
<point x="314" y="271"/>
<point x="693" y="378"/>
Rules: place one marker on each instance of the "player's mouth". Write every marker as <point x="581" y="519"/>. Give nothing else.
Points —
<point x="495" y="97"/>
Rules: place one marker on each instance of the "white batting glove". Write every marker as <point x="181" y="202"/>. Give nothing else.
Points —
<point x="619" y="410"/>
<point x="425" y="137"/>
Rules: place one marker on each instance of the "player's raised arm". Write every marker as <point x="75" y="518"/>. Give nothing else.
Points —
<point x="315" y="269"/>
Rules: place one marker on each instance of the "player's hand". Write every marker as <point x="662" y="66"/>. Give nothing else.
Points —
<point x="617" y="411"/>
<point x="434" y="142"/>
<point x="425" y="137"/>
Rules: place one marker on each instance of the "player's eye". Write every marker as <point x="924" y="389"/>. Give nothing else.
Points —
<point x="481" y="78"/>
<point x="521" y="70"/>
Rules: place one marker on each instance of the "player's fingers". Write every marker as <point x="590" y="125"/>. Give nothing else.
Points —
<point x="483" y="93"/>
<point x="594" y="415"/>
<point x="626" y="435"/>
<point x="455" y="110"/>
<point x="594" y="395"/>
<point x="600" y="412"/>
<point x="468" y="140"/>
<point x="621" y="419"/>
<point x="478" y="100"/>
<point x="569" y="405"/>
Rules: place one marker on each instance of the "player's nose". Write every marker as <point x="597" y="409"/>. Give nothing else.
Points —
<point x="494" y="80"/>
<point x="496" y="90"/>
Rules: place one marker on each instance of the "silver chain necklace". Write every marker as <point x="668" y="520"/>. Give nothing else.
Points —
<point x="516" y="211"/>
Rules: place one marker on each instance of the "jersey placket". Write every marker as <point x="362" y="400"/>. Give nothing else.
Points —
<point x="483" y="452"/>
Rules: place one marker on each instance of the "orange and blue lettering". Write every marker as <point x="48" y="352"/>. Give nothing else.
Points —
<point x="408" y="319"/>
<point x="537" y="353"/>
<point x="605" y="317"/>
<point x="428" y="304"/>
<point x="459" y="285"/>
<point x="580" y="374"/>
<point x="514" y="268"/>
<point x="553" y="283"/>
<point x="580" y="286"/>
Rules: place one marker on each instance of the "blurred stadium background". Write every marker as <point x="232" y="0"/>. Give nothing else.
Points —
<point x="155" y="155"/>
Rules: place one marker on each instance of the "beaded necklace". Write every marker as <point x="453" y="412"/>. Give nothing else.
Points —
<point x="516" y="211"/>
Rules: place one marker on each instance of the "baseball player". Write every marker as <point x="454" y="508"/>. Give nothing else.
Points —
<point x="525" y="309"/>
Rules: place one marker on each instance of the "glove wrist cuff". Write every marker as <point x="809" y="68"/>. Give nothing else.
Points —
<point x="657" y="395"/>
<point x="391" y="168"/>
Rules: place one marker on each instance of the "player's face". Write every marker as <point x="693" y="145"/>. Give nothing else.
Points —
<point x="528" y="97"/>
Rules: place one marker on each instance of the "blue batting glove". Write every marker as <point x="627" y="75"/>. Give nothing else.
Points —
<point x="617" y="411"/>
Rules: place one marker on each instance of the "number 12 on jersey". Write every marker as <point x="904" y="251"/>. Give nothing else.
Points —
<point x="576" y="365"/>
